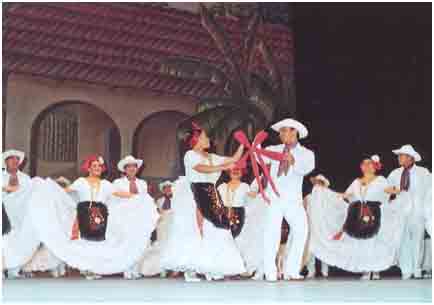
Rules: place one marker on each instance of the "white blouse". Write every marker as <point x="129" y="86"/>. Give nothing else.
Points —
<point x="374" y="191"/>
<point x="123" y="185"/>
<point x="236" y="198"/>
<point x="23" y="179"/>
<point x="192" y="158"/>
<point x="84" y="191"/>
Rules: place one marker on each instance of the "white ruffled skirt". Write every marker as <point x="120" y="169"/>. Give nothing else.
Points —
<point x="129" y="227"/>
<point x="22" y="242"/>
<point x="186" y="250"/>
<point x="250" y="241"/>
<point x="327" y="212"/>
<point x="42" y="260"/>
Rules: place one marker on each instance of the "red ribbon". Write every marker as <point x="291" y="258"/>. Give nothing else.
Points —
<point x="253" y="150"/>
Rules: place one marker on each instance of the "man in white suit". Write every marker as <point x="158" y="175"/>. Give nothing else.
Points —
<point x="288" y="176"/>
<point x="415" y="182"/>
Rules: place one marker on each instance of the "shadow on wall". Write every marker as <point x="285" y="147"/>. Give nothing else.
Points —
<point x="154" y="141"/>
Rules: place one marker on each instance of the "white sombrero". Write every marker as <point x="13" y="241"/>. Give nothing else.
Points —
<point x="408" y="150"/>
<point x="129" y="160"/>
<point x="12" y="152"/>
<point x="302" y="130"/>
<point x="323" y="179"/>
<point x="165" y="183"/>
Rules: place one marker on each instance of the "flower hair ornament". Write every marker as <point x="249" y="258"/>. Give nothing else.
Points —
<point x="192" y="137"/>
<point x="89" y="160"/>
<point x="377" y="162"/>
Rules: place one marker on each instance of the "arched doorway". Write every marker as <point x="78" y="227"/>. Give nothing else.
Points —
<point x="64" y="134"/>
<point x="155" y="142"/>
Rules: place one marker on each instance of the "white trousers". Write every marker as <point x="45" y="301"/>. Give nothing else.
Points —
<point x="412" y="245"/>
<point x="295" y="215"/>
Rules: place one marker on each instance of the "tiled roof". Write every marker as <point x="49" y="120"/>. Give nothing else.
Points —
<point x="121" y="45"/>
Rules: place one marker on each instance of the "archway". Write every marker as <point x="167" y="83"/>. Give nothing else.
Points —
<point x="65" y="133"/>
<point x="155" y="142"/>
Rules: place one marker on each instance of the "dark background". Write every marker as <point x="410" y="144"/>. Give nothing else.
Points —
<point x="363" y="79"/>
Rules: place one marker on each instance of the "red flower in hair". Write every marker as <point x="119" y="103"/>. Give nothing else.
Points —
<point x="194" y="135"/>
<point x="377" y="162"/>
<point x="89" y="160"/>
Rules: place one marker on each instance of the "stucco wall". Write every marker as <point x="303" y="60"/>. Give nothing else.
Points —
<point x="158" y="133"/>
<point x="28" y="96"/>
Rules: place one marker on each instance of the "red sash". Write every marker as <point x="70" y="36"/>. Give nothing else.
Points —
<point x="253" y="149"/>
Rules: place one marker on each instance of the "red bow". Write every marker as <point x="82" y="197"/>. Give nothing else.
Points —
<point x="254" y="149"/>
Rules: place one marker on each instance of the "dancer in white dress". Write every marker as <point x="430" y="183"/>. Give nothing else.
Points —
<point x="195" y="243"/>
<point x="410" y="184"/>
<point x="101" y="241"/>
<point x="130" y="185"/>
<point x="359" y="236"/>
<point x="236" y="197"/>
<point x="164" y="204"/>
<point x="44" y="259"/>
<point x="321" y="181"/>
<point x="19" y="240"/>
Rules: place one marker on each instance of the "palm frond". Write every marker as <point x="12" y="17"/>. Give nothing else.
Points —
<point x="249" y="41"/>
<point x="263" y="96"/>
<point x="270" y="62"/>
<point x="193" y="68"/>
<point x="209" y="103"/>
<point x="256" y="114"/>
<point x="233" y="120"/>
<point x="206" y="119"/>
<point x="222" y="43"/>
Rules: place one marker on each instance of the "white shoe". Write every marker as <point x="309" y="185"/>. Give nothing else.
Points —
<point x="246" y="274"/>
<point x="366" y="276"/>
<point x="310" y="274"/>
<point x="62" y="269"/>
<point x="271" y="278"/>
<point x="376" y="276"/>
<point x="259" y="276"/>
<point x="89" y="277"/>
<point x="14" y="274"/>
<point x="406" y="276"/>
<point x="294" y="277"/>
<point x="418" y="274"/>
<point x="92" y="276"/>
<point x="427" y="275"/>
<point x="55" y="273"/>
<point x="128" y="275"/>
<point x="163" y="274"/>
<point x="324" y="269"/>
<point x="191" y="277"/>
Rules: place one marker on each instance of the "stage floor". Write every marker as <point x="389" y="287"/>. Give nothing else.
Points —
<point x="155" y="290"/>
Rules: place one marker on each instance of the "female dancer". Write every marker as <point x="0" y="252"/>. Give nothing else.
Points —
<point x="109" y="234"/>
<point x="365" y="240"/>
<point x="234" y="196"/>
<point x="199" y="238"/>
<point x="243" y="217"/>
<point x="319" y="181"/>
